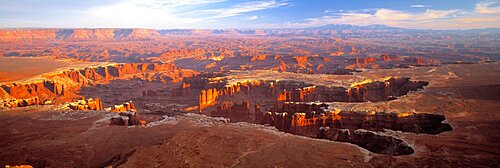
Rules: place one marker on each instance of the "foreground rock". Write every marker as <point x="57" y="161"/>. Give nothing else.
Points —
<point x="126" y="119"/>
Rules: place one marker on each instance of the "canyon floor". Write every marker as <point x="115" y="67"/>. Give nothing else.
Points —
<point x="468" y="95"/>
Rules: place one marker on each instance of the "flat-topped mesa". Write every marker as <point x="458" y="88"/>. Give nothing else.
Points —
<point x="369" y="90"/>
<point x="11" y="103"/>
<point x="46" y="89"/>
<point x="307" y="123"/>
<point x="166" y="72"/>
<point x="127" y="106"/>
<point x="86" y="104"/>
<point x="349" y="126"/>
<point x="67" y="82"/>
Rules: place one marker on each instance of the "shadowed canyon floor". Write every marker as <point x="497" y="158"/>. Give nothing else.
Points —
<point x="466" y="96"/>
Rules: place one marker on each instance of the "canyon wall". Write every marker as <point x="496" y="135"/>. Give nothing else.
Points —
<point x="65" y="83"/>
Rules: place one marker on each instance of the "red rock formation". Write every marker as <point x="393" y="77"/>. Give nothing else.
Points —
<point x="258" y="57"/>
<point x="88" y="104"/>
<point x="387" y="89"/>
<point x="236" y="112"/>
<point x="126" y="119"/>
<point x="297" y="95"/>
<point x="11" y="103"/>
<point x="208" y="97"/>
<point x="128" y="106"/>
<point x="388" y="58"/>
<point x="67" y="82"/>
<point x="301" y="61"/>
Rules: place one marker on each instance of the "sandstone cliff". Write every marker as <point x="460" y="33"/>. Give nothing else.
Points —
<point x="65" y="84"/>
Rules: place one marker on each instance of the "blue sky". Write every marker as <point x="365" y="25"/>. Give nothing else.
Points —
<point x="199" y="14"/>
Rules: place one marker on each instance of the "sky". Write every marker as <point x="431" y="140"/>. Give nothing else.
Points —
<point x="248" y="14"/>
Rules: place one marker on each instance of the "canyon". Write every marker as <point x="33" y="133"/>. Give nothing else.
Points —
<point x="322" y="97"/>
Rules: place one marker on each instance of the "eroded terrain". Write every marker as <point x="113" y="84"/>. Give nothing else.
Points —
<point x="412" y="117"/>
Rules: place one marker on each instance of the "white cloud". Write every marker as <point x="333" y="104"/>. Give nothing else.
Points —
<point x="484" y="16"/>
<point x="238" y="9"/>
<point x="486" y="7"/>
<point x="169" y="13"/>
<point x="253" y="17"/>
<point x="420" y="6"/>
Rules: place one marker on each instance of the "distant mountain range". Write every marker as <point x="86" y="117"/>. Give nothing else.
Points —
<point x="354" y="27"/>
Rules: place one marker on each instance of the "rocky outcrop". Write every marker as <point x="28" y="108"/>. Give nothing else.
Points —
<point x="42" y="89"/>
<point x="128" y="106"/>
<point x="235" y="112"/>
<point x="209" y="96"/>
<point x="372" y="141"/>
<point x="88" y="104"/>
<point x="303" y="122"/>
<point x="297" y="95"/>
<point x="126" y="119"/>
<point x="11" y="103"/>
<point x="348" y="126"/>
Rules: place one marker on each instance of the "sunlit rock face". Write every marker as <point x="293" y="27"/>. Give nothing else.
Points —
<point x="312" y="116"/>
<point x="316" y="121"/>
<point x="127" y="106"/>
<point x="11" y="103"/>
<point x="373" y="91"/>
<point x="68" y="82"/>
<point x="88" y="104"/>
